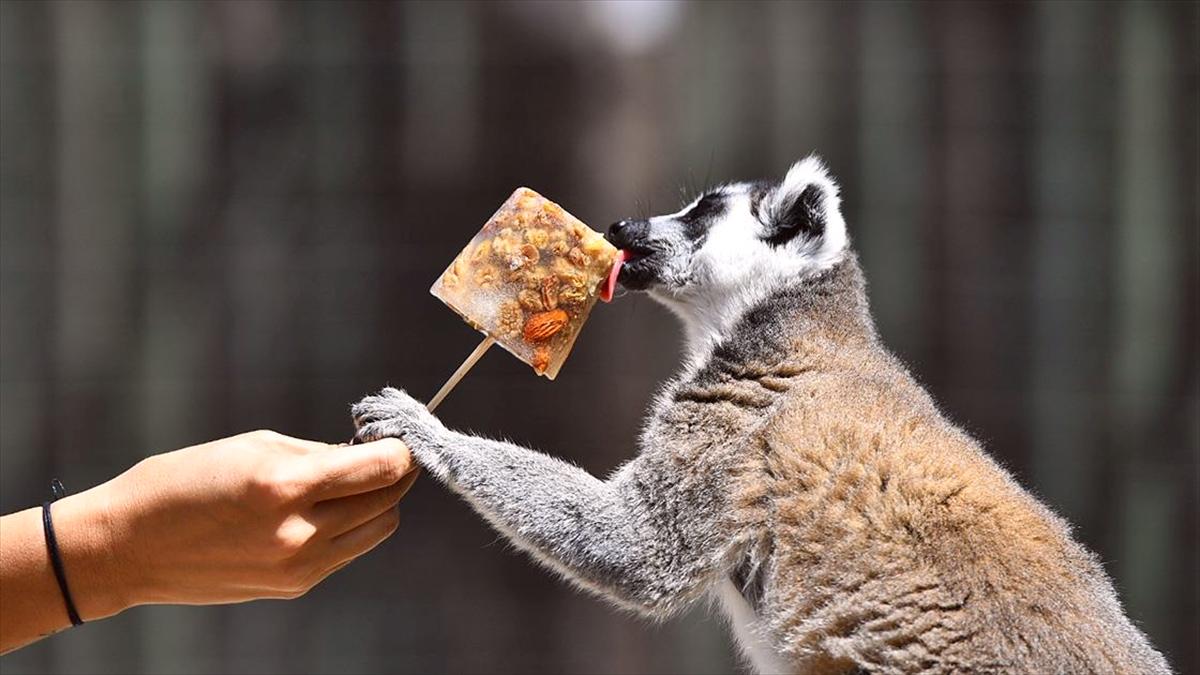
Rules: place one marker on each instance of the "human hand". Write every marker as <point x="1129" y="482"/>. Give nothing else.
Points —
<point x="259" y="515"/>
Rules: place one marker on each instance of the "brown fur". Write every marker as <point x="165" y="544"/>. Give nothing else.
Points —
<point x="888" y="540"/>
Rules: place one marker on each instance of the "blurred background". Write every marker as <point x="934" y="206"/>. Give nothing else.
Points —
<point x="222" y="216"/>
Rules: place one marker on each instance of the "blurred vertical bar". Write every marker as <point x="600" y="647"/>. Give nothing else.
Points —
<point x="338" y="253"/>
<point x="894" y="161"/>
<point x="804" y="67"/>
<point x="980" y="248"/>
<point x="26" y="250"/>
<point x="1147" y="355"/>
<point x="27" y="136"/>
<point x="266" y="212"/>
<point x="628" y="124"/>
<point x="716" y="134"/>
<point x="1071" y="213"/>
<point x="95" y="327"/>
<point x="179" y="317"/>
<point x="439" y="49"/>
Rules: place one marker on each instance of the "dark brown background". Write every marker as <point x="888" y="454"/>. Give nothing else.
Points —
<point x="218" y="217"/>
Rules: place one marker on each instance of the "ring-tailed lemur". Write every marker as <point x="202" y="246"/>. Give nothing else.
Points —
<point x="795" y="470"/>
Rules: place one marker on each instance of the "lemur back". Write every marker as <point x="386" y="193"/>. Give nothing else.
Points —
<point x="795" y="471"/>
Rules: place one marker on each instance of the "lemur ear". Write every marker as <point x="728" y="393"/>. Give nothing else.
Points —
<point x="805" y="207"/>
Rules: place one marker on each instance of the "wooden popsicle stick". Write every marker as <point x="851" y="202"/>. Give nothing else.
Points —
<point x="460" y="373"/>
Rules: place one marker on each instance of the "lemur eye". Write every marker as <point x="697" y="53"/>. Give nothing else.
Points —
<point x="698" y="218"/>
<point x="710" y="205"/>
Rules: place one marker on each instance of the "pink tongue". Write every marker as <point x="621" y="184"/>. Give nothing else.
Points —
<point x="606" y="291"/>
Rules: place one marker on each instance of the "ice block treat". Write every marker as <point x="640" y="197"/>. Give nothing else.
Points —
<point x="529" y="279"/>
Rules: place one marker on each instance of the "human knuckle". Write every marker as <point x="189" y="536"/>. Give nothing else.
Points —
<point x="262" y="436"/>
<point x="390" y="465"/>
<point x="281" y="481"/>
<point x="262" y="489"/>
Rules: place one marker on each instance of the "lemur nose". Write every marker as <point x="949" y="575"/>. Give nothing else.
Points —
<point x="622" y="232"/>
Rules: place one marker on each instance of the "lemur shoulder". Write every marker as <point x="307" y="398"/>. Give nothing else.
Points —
<point x="795" y="470"/>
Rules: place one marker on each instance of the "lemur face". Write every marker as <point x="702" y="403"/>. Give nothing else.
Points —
<point x="735" y="239"/>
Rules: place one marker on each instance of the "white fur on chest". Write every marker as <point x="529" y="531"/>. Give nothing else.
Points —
<point x="744" y="624"/>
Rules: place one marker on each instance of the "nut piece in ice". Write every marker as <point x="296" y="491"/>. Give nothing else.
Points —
<point x="485" y="277"/>
<point x="577" y="257"/>
<point x="453" y="274"/>
<point x="530" y="300"/>
<point x="482" y="251"/>
<point x="510" y="318"/>
<point x="571" y="296"/>
<point x="540" y="360"/>
<point x="543" y="325"/>
<point x="530" y="253"/>
<point x="595" y="245"/>
<point x="537" y="236"/>
<point x="550" y="293"/>
<point x="506" y="243"/>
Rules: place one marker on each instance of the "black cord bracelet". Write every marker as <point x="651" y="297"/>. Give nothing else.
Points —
<point x="57" y="492"/>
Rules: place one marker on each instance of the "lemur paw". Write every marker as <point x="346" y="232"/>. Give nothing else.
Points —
<point x="393" y="413"/>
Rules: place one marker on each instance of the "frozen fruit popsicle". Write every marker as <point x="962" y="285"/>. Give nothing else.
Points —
<point x="528" y="281"/>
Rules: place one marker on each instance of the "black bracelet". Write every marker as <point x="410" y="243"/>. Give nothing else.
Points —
<point x="56" y="493"/>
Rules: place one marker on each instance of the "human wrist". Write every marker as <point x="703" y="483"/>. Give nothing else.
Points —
<point x="89" y="534"/>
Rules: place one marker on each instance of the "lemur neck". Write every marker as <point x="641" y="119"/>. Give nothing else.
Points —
<point x="776" y="319"/>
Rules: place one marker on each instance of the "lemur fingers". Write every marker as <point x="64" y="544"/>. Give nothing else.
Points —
<point x="393" y="413"/>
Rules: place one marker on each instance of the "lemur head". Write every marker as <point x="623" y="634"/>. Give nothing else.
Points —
<point x="734" y="245"/>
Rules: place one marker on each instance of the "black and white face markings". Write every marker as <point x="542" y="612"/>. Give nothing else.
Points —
<point x="741" y="234"/>
<point x="699" y="216"/>
<point x="659" y="249"/>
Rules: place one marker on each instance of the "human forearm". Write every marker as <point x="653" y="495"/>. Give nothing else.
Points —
<point x="31" y="604"/>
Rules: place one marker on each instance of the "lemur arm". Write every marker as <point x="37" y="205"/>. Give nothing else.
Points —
<point x="619" y="537"/>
